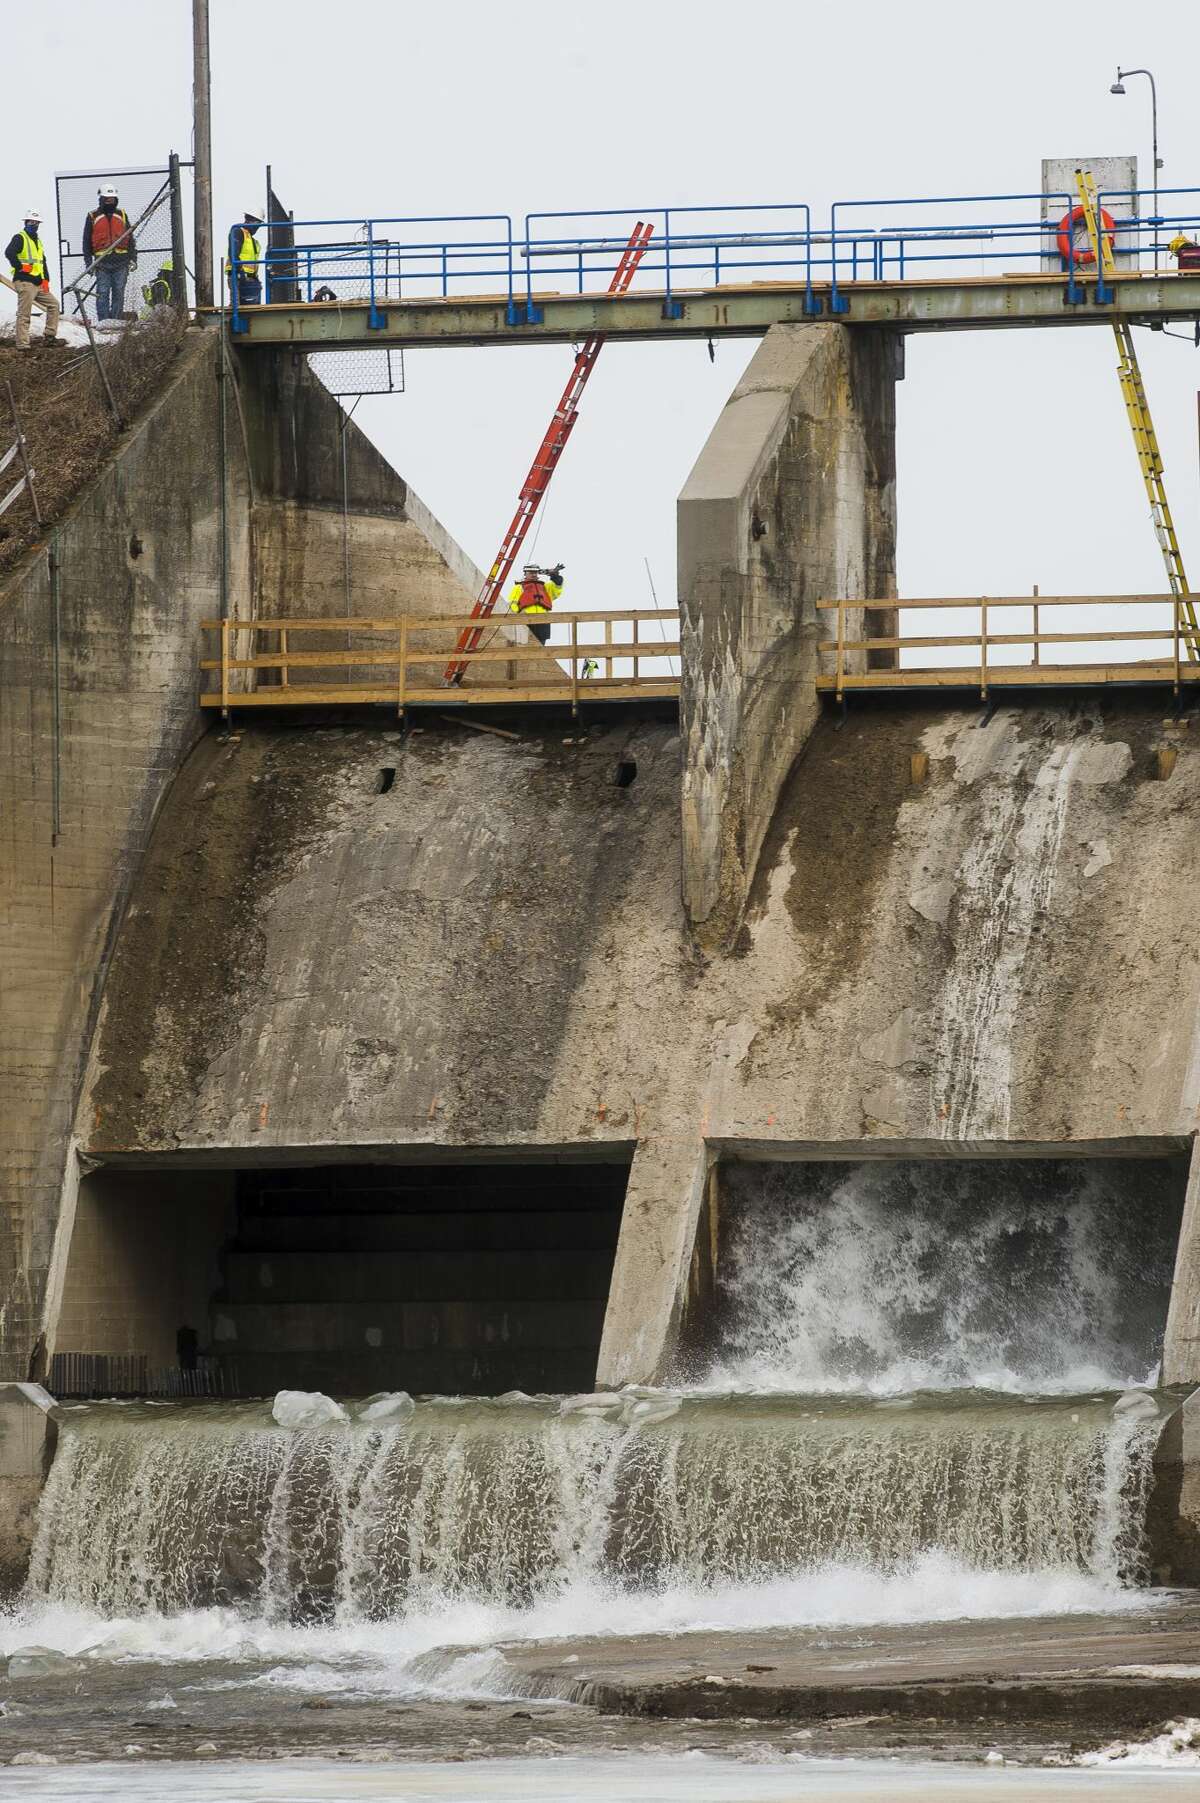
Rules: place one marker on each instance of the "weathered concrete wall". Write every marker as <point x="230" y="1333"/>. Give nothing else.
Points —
<point x="494" y="954"/>
<point x="139" y="559"/>
<point x="792" y="500"/>
<point x="144" y="1261"/>
<point x="103" y="713"/>
<point x="310" y="463"/>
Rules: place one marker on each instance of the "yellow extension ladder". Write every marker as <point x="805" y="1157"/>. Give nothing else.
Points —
<point x="1140" y="423"/>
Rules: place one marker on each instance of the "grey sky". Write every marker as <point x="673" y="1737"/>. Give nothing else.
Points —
<point x="1015" y="460"/>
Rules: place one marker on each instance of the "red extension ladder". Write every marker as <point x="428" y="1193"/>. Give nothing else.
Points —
<point x="546" y="461"/>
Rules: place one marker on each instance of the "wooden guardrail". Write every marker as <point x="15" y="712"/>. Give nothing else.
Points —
<point x="1178" y="665"/>
<point x="400" y="661"/>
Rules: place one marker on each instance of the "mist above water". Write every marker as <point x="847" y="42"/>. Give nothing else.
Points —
<point x="890" y="1276"/>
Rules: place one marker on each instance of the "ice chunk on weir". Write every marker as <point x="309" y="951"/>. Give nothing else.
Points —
<point x="306" y="1408"/>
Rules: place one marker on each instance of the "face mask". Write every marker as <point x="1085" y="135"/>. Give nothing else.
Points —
<point x="33" y="226"/>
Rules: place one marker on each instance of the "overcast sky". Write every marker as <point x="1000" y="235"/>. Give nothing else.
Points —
<point x="1015" y="460"/>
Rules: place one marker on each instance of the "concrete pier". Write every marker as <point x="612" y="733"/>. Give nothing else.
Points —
<point x="792" y="500"/>
<point x="27" y="1439"/>
<point x="1181" y="1350"/>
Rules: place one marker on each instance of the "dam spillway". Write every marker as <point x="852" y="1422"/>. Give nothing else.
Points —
<point x="514" y="1504"/>
<point x="896" y="1378"/>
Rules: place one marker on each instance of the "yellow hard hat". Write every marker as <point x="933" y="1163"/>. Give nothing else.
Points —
<point x="1178" y="243"/>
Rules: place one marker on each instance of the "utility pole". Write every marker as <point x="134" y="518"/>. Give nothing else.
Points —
<point x="202" y="133"/>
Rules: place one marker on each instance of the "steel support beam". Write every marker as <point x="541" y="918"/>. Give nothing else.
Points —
<point x="987" y="302"/>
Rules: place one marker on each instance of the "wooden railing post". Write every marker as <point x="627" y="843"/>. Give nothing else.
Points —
<point x="1175" y="638"/>
<point x="983" y="647"/>
<point x="608" y="639"/>
<point x="841" y="646"/>
<point x="574" y="665"/>
<point x="1036" y="626"/>
<point x="403" y="682"/>
<point x="283" y="651"/>
<point x="224" y="669"/>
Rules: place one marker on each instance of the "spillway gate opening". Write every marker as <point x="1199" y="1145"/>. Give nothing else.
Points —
<point x="449" y="1278"/>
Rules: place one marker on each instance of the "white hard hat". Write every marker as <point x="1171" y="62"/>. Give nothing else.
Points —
<point x="108" y="194"/>
<point x="253" y="213"/>
<point x="34" y="213"/>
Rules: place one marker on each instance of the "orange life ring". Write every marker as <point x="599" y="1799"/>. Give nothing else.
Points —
<point x="1066" y="235"/>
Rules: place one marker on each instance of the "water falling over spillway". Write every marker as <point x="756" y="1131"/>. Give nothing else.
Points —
<point x="509" y="1503"/>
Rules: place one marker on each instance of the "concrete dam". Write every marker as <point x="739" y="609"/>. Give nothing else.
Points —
<point x="725" y="1163"/>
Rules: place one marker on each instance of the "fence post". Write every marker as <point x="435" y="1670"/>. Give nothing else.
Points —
<point x="1175" y="600"/>
<point x="375" y="319"/>
<point x="24" y="455"/>
<point x="608" y="639"/>
<point x="103" y="373"/>
<point x="983" y="669"/>
<point x="841" y="647"/>
<point x="403" y="684"/>
<point x="1036" y="627"/>
<point x="225" y="669"/>
<point x="283" y="651"/>
<point x="672" y="309"/>
<point x="574" y="666"/>
<point x="178" y="251"/>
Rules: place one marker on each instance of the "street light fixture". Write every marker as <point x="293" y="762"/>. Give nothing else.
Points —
<point x="1118" y="87"/>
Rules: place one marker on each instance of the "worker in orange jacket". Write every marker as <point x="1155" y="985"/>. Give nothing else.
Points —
<point x="27" y="257"/>
<point x="536" y="593"/>
<point x="108" y="247"/>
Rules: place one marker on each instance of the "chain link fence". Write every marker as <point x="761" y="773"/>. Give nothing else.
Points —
<point x="299" y="274"/>
<point x="353" y="373"/>
<point x="143" y="269"/>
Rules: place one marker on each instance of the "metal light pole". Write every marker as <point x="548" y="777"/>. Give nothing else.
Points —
<point x="202" y="129"/>
<point x="1118" y="87"/>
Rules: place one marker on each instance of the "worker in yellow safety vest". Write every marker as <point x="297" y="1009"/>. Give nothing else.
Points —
<point x="1186" y="253"/>
<point x="27" y="258"/>
<point x="247" y="254"/>
<point x="536" y="593"/>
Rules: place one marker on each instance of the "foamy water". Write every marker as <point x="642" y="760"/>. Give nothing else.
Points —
<point x="394" y="1657"/>
<point x="888" y="1277"/>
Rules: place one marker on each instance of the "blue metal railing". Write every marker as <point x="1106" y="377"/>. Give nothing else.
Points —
<point x="375" y="265"/>
<point x="714" y="246"/>
<point x="382" y="261"/>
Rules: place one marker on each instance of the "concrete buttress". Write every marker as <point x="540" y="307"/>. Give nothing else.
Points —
<point x="792" y="500"/>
